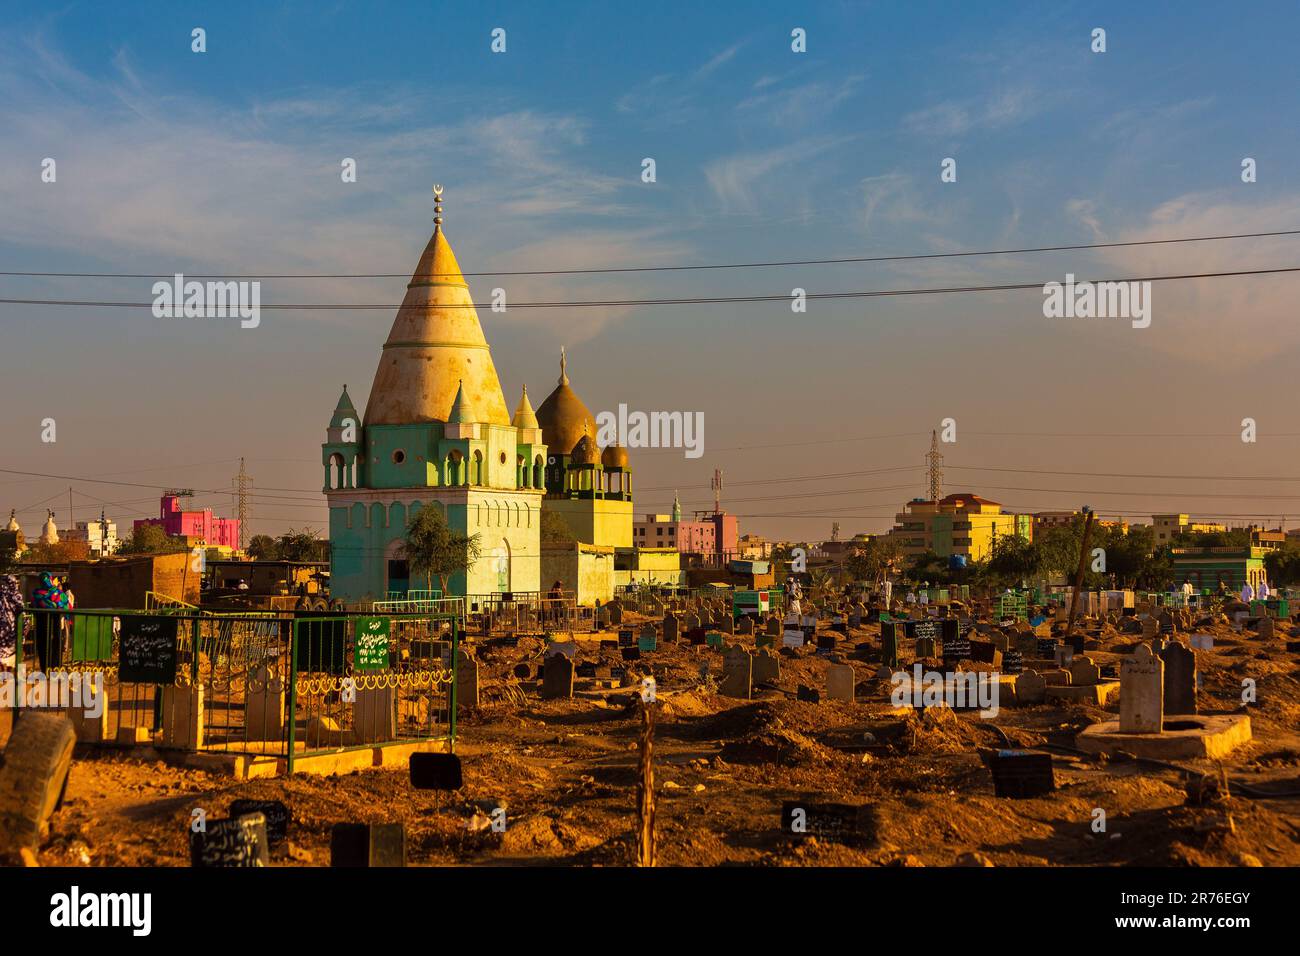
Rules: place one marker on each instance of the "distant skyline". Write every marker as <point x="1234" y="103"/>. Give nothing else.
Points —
<point x="228" y="162"/>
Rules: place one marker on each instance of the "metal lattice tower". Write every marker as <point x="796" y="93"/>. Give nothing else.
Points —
<point x="242" y="481"/>
<point x="717" y="491"/>
<point x="934" y="461"/>
<point x="835" y="531"/>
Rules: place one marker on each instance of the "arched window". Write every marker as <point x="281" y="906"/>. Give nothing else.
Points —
<point x="455" y="468"/>
<point x="537" y="472"/>
<point x="476" y="476"/>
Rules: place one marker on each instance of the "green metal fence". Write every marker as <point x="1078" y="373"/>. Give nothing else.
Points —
<point x="282" y="684"/>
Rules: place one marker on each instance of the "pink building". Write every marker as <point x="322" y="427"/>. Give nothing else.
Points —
<point x="194" y="525"/>
<point x="709" y="533"/>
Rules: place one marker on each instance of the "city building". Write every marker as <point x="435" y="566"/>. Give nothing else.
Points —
<point x="965" y="525"/>
<point x="1169" y="526"/>
<point x="436" y="434"/>
<point x="99" y="536"/>
<point x="198" y="527"/>
<point x="1212" y="568"/>
<point x="712" y="535"/>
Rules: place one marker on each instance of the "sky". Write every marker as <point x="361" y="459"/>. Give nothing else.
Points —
<point x="228" y="162"/>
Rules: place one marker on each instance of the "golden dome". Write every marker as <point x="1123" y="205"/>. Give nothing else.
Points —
<point x="615" y="456"/>
<point x="585" y="452"/>
<point x="436" y="347"/>
<point x="564" y="418"/>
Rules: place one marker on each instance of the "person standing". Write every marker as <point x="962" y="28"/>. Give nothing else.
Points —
<point x="46" y="599"/>
<point x="1247" y="593"/>
<point x="11" y="605"/>
<point x="1264" y="590"/>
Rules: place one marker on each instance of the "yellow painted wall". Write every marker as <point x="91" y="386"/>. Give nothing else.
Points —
<point x="599" y="522"/>
<point x="586" y="569"/>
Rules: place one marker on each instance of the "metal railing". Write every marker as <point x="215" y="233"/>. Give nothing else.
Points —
<point x="279" y="684"/>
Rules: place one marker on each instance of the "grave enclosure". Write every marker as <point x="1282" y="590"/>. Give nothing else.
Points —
<point x="257" y="693"/>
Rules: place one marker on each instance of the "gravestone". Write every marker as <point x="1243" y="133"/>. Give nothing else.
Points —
<point x="466" y="679"/>
<point x="1031" y="688"/>
<point x="367" y="845"/>
<point x="615" y="612"/>
<point x="691" y="622"/>
<point x="649" y="638"/>
<point x="1021" y="773"/>
<point x="1141" y="694"/>
<point x="238" y="842"/>
<point x="840" y="682"/>
<point x="1150" y="628"/>
<point x="435" y="771"/>
<point x="808" y="695"/>
<point x="1266" y="628"/>
<point x="737" y="673"/>
<point x="275" y="813"/>
<point x="1083" y="672"/>
<point x="147" y="647"/>
<point x="745" y="626"/>
<point x="889" y="645"/>
<point x="557" y="677"/>
<point x="767" y="667"/>
<point x="374" y="715"/>
<point x="626" y="638"/>
<point x="1064" y="654"/>
<point x="264" y="704"/>
<point x="1180" y="679"/>
<point x="838" y="822"/>
<point x="775" y="627"/>
<point x="1013" y="662"/>
<point x="671" y="629"/>
<point x="1202" y="642"/>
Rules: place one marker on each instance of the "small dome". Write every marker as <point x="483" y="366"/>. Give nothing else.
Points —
<point x="13" y="522"/>
<point x="563" y="416"/>
<point x="615" y="456"/>
<point x="585" y="452"/>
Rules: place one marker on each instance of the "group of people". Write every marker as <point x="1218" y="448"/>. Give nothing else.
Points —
<point x="52" y="594"/>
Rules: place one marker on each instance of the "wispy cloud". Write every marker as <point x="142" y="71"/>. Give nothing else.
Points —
<point x="993" y="111"/>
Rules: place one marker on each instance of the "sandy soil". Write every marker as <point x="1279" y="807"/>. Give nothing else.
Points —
<point x="566" y="773"/>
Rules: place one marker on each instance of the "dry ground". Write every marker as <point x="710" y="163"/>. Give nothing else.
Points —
<point x="566" y="773"/>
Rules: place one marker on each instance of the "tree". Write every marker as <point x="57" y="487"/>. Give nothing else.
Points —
<point x="262" y="547"/>
<point x="299" y="546"/>
<point x="433" y="549"/>
<point x="868" y="562"/>
<point x="1014" y="560"/>
<point x="151" y="539"/>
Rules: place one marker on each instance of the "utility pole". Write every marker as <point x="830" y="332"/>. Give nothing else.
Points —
<point x="243" y="481"/>
<point x="71" y="524"/>
<point x="934" y="462"/>
<point x="717" y="491"/>
<point x="1078" y="575"/>
<point x="103" y="533"/>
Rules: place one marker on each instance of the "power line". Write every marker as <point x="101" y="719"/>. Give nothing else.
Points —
<point x="1075" y="247"/>
<point x="1106" y="474"/>
<point x="689" y="300"/>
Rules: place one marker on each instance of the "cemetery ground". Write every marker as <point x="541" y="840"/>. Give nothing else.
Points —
<point x="565" y="772"/>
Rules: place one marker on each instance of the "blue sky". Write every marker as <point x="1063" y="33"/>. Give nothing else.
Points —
<point x="229" y="161"/>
